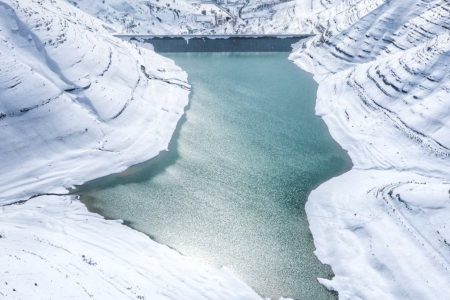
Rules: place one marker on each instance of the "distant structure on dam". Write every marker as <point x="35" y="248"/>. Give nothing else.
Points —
<point x="219" y="43"/>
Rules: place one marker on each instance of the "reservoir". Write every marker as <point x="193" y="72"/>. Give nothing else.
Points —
<point x="232" y="188"/>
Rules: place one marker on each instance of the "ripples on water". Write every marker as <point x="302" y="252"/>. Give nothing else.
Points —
<point x="232" y="189"/>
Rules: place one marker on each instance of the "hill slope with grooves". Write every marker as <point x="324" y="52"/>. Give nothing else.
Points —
<point x="384" y="87"/>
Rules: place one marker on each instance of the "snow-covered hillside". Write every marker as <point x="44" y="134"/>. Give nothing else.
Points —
<point x="52" y="248"/>
<point x="205" y="17"/>
<point x="76" y="104"/>
<point x="384" y="91"/>
<point x="160" y="16"/>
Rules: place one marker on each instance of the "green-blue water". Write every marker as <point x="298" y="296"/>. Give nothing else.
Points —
<point x="232" y="188"/>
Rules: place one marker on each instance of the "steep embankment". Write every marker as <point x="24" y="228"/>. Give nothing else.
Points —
<point x="384" y="90"/>
<point x="75" y="104"/>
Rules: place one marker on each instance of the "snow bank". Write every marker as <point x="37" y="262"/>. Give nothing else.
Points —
<point x="384" y="84"/>
<point x="52" y="247"/>
<point x="77" y="103"/>
<point x="157" y="17"/>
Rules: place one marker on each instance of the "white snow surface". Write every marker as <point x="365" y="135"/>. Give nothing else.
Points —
<point x="157" y="16"/>
<point x="76" y="104"/>
<point x="383" y="69"/>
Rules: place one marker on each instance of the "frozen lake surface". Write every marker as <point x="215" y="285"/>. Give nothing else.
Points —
<point x="231" y="189"/>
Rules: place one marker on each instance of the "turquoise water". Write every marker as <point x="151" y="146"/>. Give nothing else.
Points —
<point x="231" y="189"/>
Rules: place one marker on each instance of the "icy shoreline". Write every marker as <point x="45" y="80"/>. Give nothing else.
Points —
<point x="53" y="247"/>
<point x="383" y="93"/>
<point x="96" y="108"/>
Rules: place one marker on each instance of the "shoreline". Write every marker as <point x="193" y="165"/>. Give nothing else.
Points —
<point x="372" y="230"/>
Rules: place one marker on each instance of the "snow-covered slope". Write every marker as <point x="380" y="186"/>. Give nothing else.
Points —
<point x="76" y="104"/>
<point x="52" y="248"/>
<point x="384" y="91"/>
<point x="210" y="17"/>
<point x="158" y="16"/>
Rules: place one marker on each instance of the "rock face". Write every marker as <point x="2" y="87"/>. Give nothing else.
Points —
<point x="384" y="90"/>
